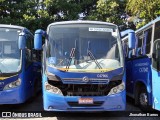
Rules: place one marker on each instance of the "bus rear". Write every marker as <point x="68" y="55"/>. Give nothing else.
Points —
<point x="83" y="67"/>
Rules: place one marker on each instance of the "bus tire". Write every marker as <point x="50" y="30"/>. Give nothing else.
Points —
<point x="143" y="99"/>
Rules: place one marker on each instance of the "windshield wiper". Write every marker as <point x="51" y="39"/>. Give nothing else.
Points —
<point x="92" y="56"/>
<point x="72" y="55"/>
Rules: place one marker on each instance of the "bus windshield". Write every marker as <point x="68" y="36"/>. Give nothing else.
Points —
<point x="9" y="52"/>
<point x="84" y="47"/>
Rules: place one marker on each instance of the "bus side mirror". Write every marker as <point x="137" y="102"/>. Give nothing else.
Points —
<point x="131" y="40"/>
<point x="22" y="41"/>
<point x="38" y="39"/>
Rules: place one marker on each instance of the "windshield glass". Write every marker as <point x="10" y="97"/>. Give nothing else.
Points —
<point x="84" y="47"/>
<point x="9" y="52"/>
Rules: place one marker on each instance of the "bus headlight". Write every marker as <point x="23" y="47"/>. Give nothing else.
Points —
<point x="121" y="87"/>
<point x="13" y="84"/>
<point x="52" y="89"/>
<point x="48" y="87"/>
<point x="117" y="89"/>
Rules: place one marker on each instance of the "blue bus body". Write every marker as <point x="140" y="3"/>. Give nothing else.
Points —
<point x="142" y="66"/>
<point x="19" y="75"/>
<point x="76" y="87"/>
<point x="54" y="102"/>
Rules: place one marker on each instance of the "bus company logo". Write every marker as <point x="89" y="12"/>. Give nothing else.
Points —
<point x="85" y="79"/>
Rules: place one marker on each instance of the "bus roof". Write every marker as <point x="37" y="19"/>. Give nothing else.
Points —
<point x="81" y="22"/>
<point x="24" y="29"/>
<point x="11" y="26"/>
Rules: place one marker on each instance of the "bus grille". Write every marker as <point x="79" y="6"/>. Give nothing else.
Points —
<point x="85" y="93"/>
<point x="76" y="104"/>
<point x="85" y="89"/>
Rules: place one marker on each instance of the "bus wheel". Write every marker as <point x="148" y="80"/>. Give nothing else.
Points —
<point x="143" y="99"/>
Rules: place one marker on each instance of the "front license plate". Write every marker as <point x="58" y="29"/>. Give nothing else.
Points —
<point x="85" y="101"/>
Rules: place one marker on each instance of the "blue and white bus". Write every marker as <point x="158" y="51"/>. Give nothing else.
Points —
<point x="143" y="66"/>
<point x="20" y="70"/>
<point x="82" y="67"/>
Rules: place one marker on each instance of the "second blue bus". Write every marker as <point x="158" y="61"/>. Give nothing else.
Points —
<point x="20" y="70"/>
<point x="143" y="66"/>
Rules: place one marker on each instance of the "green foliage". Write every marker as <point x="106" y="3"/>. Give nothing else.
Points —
<point x="68" y="9"/>
<point x="146" y="10"/>
<point x="108" y="10"/>
<point x="35" y="14"/>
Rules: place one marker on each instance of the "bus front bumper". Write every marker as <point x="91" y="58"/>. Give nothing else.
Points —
<point x="11" y="96"/>
<point x="53" y="102"/>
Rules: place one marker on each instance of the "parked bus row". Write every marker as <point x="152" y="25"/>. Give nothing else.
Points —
<point x="85" y="66"/>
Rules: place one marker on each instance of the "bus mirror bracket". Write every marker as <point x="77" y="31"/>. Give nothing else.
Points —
<point x="38" y="39"/>
<point x="22" y="41"/>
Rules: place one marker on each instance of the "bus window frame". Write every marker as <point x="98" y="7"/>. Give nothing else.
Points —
<point x="143" y="35"/>
<point x="150" y="27"/>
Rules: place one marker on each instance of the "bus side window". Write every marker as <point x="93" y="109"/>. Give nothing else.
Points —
<point x="157" y="31"/>
<point x="147" y="37"/>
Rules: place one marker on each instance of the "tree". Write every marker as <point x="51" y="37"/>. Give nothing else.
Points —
<point x="24" y="13"/>
<point x="12" y="11"/>
<point x="108" y="10"/>
<point x="146" y="10"/>
<point x="35" y="14"/>
<point x="68" y="9"/>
